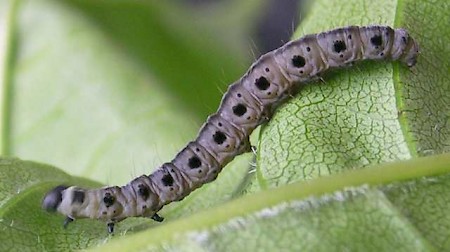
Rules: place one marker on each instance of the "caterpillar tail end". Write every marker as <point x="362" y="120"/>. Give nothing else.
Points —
<point x="411" y="57"/>
<point x="412" y="52"/>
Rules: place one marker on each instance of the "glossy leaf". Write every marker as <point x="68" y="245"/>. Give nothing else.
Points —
<point x="74" y="107"/>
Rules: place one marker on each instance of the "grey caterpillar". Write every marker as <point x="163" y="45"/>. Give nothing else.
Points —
<point x="247" y="103"/>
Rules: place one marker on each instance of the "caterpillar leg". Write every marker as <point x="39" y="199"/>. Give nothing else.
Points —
<point x="157" y="218"/>
<point x="254" y="149"/>
<point x="110" y="227"/>
<point x="67" y="221"/>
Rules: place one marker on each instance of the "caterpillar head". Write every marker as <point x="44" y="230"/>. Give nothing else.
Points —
<point x="109" y="204"/>
<point x="65" y="200"/>
<point x="53" y="198"/>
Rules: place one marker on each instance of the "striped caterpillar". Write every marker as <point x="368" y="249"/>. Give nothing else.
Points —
<point x="247" y="103"/>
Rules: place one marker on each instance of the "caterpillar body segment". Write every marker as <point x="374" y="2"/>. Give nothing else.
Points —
<point x="241" y="108"/>
<point x="265" y="81"/>
<point x="247" y="103"/>
<point x="197" y="165"/>
<point x="341" y="46"/>
<point x="292" y="59"/>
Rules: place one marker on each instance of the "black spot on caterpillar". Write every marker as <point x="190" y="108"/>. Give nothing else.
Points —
<point x="78" y="197"/>
<point x="247" y="103"/>
<point x="108" y="200"/>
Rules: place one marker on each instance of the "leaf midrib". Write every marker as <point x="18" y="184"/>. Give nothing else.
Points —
<point x="399" y="91"/>
<point x="381" y="174"/>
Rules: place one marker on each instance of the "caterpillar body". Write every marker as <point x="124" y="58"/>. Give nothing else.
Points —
<point x="247" y="103"/>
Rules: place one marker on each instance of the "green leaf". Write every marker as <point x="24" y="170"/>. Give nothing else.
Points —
<point x="96" y="87"/>
<point x="96" y="91"/>
<point x="99" y="85"/>
<point x="23" y="224"/>
<point x="372" y="113"/>
<point x="333" y="213"/>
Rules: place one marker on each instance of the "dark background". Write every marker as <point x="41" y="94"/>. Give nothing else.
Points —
<point x="275" y="25"/>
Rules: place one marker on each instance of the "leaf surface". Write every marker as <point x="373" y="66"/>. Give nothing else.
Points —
<point x="95" y="82"/>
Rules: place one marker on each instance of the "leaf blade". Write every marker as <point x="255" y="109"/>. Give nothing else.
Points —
<point x="229" y="220"/>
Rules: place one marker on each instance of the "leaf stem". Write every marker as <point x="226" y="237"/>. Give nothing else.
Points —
<point x="6" y="49"/>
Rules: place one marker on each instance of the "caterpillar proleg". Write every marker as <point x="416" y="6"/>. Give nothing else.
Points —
<point x="248" y="102"/>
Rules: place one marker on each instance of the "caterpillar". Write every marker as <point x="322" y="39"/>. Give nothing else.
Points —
<point x="248" y="102"/>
